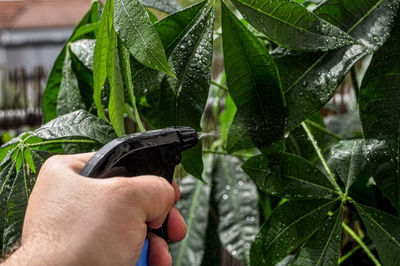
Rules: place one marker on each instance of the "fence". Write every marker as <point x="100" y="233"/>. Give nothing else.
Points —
<point x="21" y="97"/>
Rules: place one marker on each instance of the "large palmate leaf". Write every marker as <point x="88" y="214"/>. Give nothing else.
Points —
<point x="193" y="205"/>
<point x="379" y="113"/>
<point x="287" y="228"/>
<point x="69" y="97"/>
<point x="253" y="82"/>
<point x="7" y="176"/>
<point x="384" y="230"/>
<point x="135" y="29"/>
<point x="167" y="6"/>
<point x="80" y="124"/>
<point x="309" y="80"/>
<point x="237" y="201"/>
<point x="52" y="89"/>
<point x="349" y="160"/>
<point x="291" y="25"/>
<point x="290" y="176"/>
<point x="323" y="247"/>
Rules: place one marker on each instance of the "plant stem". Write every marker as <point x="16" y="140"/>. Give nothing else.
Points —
<point x="60" y="141"/>
<point x="348" y="254"/>
<point x="327" y="131"/>
<point x="219" y="85"/>
<point x="361" y="243"/>
<point x="321" y="157"/>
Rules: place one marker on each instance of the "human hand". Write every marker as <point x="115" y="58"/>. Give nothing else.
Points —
<point x="75" y="220"/>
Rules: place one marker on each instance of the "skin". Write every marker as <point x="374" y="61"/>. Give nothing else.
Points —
<point x="75" y="220"/>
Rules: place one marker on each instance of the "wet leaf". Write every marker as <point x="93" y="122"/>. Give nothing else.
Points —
<point x="6" y="178"/>
<point x="379" y="113"/>
<point x="291" y="25"/>
<point x="83" y="50"/>
<point x="323" y="247"/>
<point x="309" y="80"/>
<point x="237" y="201"/>
<point x="100" y="58"/>
<point x="384" y="230"/>
<point x="287" y="228"/>
<point x="349" y="160"/>
<point x="289" y="176"/>
<point x="134" y="27"/>
<point x="80" y="124"/>
<point x="193" y="205"/>
<point x="167" y="6"/>
<point x="54" y="80"/>
<point x="117" y="100"/>
<point x="253" y="82"/>
<point x="238" y="139"/>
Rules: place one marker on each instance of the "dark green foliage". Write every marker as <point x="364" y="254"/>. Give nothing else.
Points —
<point x="277" y="161"/>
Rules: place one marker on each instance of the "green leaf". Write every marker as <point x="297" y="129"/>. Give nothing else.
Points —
<point x="80" y="124"/>
<point x="83" y="30"/>
<point x="310" y="80"/>
<point x="124" y="59"/>
<point x="238" y="139"/>
<point x="134" y="28"/>
<point x="52" y="89"/>
<point x="6" y="179"/>
<point x="194" y="205"/>
<point x="291" y="25"/>
<point x="69" y="97"/>
<point x="83" y="50"/>
<point x="226" y="117"/>
<point x="253" y="81"/>
<point x="100" y="59"/>
<point x="173" y="28"/>
<point x="167" y="6"/>
<point x="379" y="113"/>
<point x="15" y="209"/>
<point x="117" y="100"/>
<point x="384" y="230"/>
<point x="290" y="177"/>
<point x="287" y="228"/>
<point x="323" y="247"/>
<point x="29" y="160"/>
<point x="192" y="161"/>
<point x="237" y="202"/>
<point x="349" y="160"/>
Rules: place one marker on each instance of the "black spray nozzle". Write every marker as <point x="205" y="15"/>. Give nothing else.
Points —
<point x="188" y="136"/>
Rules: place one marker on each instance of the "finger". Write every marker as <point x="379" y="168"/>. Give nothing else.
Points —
<point x="158" y="251"/>
<point x="176" y="226"/>
<point x="176" y="189"/>
<point x="152" y="194"/>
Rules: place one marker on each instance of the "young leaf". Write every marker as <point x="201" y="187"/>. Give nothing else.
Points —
<point x="379" y="113"/>
<point x="167" y="6"/>
<point x="349" y="160"/>
<point x="100" y="59"/>
<point x="384" y="230"/>
<point x="287" y="228"/>
<point x="29" y="160"/>
<point x="237" y="201"/>
<point x="193" y="205"/>
<point x="323" y="247"/>
<point x="291" y="177"/>
<point x="253" y="82"/>
<point x="134" y="28"/>
<point x="291" y="25"/>
<point x="117" y="99"/>
<point x="80" y="124"/>
<point x="54" y="80"/>
<point x="309" y="80"/>
<point x="69" y="97"/>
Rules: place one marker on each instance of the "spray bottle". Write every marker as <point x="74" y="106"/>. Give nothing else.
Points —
<point x="149" y="153"/>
